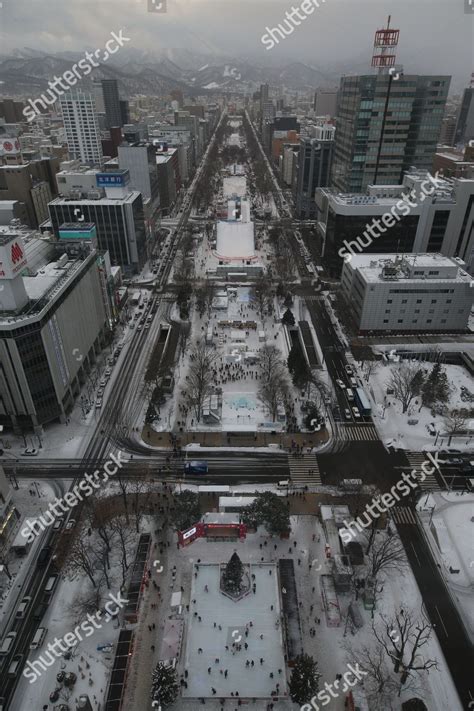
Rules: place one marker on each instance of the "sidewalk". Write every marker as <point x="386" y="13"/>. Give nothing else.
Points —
<point x="244" y="439"/>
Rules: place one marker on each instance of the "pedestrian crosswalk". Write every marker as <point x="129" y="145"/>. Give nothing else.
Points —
<point x="416" y="461"/>
<point x="403" y="515"/>
<point x="304" y="470"/>
<point x="353" y="432"/>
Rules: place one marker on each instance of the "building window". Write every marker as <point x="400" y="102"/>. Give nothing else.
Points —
<point x="415" y="320"/>
<point x="389" y="301"/>
<point x="400" y="320"/>
<point x="404" y="301"/>
<point x="385" y="320"/>
<point x="429" y="320"/>
<point x="418" y="301"/>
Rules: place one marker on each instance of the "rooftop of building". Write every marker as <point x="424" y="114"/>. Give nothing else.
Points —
<point x="235" y="239"/>
<point x="130" y="197"/>
<point x="400" y="267"/>
<point x="43" y="277"/>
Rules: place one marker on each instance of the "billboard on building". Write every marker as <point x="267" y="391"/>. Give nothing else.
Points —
<point x="12" y="257"/>
<point x="113" y="179"/>
<point x="78" y="230"/>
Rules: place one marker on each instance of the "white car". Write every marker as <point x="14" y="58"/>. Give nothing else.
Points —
<point x="356" y="413"/>
<point x="108" y="372"/>
<point x="340" y="383"/>
<point x="98" y="403"/>
<point x="29" y="452"/>
<point x="347" y="414"/>
<point x="348" y="370"/>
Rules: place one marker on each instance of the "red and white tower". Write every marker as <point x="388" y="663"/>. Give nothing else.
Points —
<point x="385" y="48"/>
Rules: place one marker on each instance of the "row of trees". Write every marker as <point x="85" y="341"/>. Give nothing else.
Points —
<point x="273" y="388"/>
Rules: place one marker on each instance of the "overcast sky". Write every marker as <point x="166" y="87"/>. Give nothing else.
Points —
<point x="436" y="35"/>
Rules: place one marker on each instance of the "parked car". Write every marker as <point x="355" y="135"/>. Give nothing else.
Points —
<point x="98" y="403"/>
<point x="21" y="609"/>
<point x="349" y="370"/>
<point x="29" y="452"/>
<point x="340" y="384"/>
<point x="347" y="414"/>
<point x="356" y="413"/>
<point x="108" y="372"/>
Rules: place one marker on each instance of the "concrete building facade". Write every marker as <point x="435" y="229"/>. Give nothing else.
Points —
<point x="410" y="293"/>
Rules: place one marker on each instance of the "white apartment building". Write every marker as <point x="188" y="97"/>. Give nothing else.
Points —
<point x="82" y="127"/>
<point x="411" y="292"/>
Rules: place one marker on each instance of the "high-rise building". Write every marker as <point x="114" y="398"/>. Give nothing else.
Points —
<point x="263" y="96"/>
<point x="325" y="102"/>
<point x="386" y="123"/>
<point x="139" y="159"/>
<point x="81" y="126"/>
<point x="465" y="125"/>
<point x="437" y="217"/>
<point x="124" y="112"/>
<point x="118" y="218"/>
<point x="12" y="110"/>
<point x="47" y="316"/>
<point x="448" y="130"/>
<point x="113" y="113"/>
<point x="314" y="169"/>
<point x="33" y="184"/>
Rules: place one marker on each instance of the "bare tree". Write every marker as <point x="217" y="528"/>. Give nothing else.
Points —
<point x="204" y="296"/>
<point x="262" y="293"/>
<point x="273" y="388"/>
<point x="384" y="555"/>
<point x="379" y="685"/>
<point x="88" y="601"/>
<point x="406" y="381"/>
<point x="184" y="333"/>
<point x="402" y="637"/>
<point x="200" y="379"/>
<point x="369" y="367"/>
<point x="82" y="559"/>
<point x="454" y="423"/>
<point x="126" y="540"/>
<point x="102" y="552"/>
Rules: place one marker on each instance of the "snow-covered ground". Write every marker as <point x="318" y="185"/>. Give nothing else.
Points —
<point x="447" y="523"/>
<point x="328" y="646"/>
<point x="223" y="622"/>
<point x="393" y="424"/>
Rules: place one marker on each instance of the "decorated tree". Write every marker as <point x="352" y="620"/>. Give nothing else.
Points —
<point x="232" y="576"/>
<point x="304" y="682"/>
<point x="164" y="685"/>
